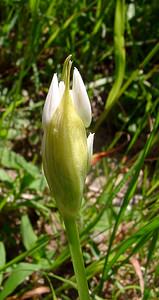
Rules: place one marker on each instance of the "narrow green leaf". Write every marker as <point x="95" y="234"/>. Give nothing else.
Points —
<point x="40" y="244"/>
<point x="119" y="53"/>
<point x="34" y="5"/>
<point x="18" y="275"/>
<point x="2" y="258"/>
<point x="28" y="235"/>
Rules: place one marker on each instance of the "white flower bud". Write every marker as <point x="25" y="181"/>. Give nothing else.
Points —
<point x="66" y="151"/>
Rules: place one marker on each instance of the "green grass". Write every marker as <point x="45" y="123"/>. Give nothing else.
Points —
<point x="115" y="46"/>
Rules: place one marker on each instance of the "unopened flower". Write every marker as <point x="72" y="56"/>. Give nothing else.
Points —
<point x="66" y="151"/>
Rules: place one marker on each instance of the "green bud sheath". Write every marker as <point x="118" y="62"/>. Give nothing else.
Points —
<point x="65" y="156"/>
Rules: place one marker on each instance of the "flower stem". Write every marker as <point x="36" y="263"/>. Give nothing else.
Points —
<point x="77" y="257"/>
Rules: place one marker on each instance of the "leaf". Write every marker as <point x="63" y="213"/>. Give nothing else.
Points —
<point x="5" y="177"/>
<point x="38" y="184"/>
<point x="2" y="258"/>
<point x="40" y="244"/>
<point x="28" y="235"/>
<point x="12" y="160"/>
<point x="34" y="4"/>
<point x="30" y="182"/>
<point x="18" y="275"/>
<point x="119" y="47"/>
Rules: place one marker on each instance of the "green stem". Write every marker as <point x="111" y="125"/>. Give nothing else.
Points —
<point x="77" y="257"/>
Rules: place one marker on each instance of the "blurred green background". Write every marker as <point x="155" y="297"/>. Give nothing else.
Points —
<point x="115" y="46"/>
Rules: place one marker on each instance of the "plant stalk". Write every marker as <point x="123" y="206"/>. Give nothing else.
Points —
<point x="77" y="257"/>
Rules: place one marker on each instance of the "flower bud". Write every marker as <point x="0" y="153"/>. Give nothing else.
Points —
<point x="65" y="149"/>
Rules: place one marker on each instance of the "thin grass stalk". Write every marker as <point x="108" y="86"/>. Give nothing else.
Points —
<point x="119" y="49"/>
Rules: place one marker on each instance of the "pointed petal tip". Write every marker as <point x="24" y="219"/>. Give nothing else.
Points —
<point x="52" y="101"/>
<point x="75" y="70"/>
<point x="80" y="98"/>
<point x="90" y="141"/>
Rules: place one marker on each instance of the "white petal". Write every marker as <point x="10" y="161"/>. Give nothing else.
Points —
<point x="52" y="101"/>
<point x="90" y="140"/>
<point x="80" y="98"/>
<point x="61" y="88"/>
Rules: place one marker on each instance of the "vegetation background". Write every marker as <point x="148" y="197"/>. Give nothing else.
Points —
<point x="115" y="46"/>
